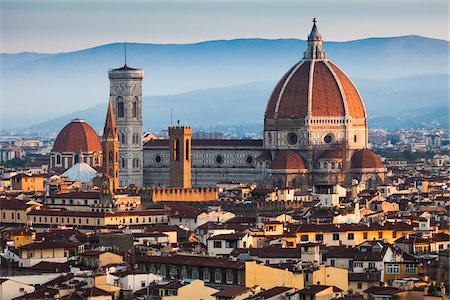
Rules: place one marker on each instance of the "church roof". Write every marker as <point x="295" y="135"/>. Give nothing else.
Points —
<point x="77" y="136"/>
<point x="366" y="159"/>
<point x="110" y="129"/>
<point x="315" y="87"/>
<point x="288" y="160"/>
<point x="81" y="172"/>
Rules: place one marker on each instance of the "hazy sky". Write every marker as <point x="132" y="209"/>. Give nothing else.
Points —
<point x="64" y="25"/>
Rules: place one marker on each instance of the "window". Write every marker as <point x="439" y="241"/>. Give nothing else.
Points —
<point x="142" y="284"/>
<point x="328" y="139"/>
<point x="120" y="107"/>
<point x="393" y="269"/>
<point x="206" y="275"/>
<point x="380" y="234"/>
<point x="292" y="138"/>
<point x="229" y="277"/>
<point x="134" y="108"/>
<point x="304" y="238"/>
<point x="319" y="237"/>
<point x="219" y="159"/>
<point x="217" y="244"/>
<point x="357" y="264"/>
<point x="123" y="162"/>
<point x="365" y="235"/>
<point x="394" y="234"/>
<point x="350" y="236"/>
<point x="176" y="149"/>
<point x="184" y="272"/>
<point x="371" y="265"/>
<point x="163" y="271"/>
<point x="218" y="276"/>
<point x="332" y="263"/>
<point x="410" y="269"/>
<point x="58" y="159"/>
<point x="187" y="150"/>
<point x="194" y="273"/>
<point x="359" y="285"/>
<point x="110" y="156"/>
<point x="335" y="236"/>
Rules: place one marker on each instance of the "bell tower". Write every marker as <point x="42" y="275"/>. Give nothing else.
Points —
<point x="110" y="145"/>
<point x="126" y="98"/>
<point x="180" y="156"/>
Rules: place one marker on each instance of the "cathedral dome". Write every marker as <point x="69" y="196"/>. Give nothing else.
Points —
<point x="288" y="160"/>
<point x="366" y="159"/>
<point x="77" y="136"/>
<point x="315" y="87"/>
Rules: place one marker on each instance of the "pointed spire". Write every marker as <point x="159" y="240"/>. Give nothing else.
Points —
<point x="110" y="129"/>
<point x="314" y="50"/>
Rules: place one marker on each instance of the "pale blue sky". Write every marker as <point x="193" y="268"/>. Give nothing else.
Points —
<point x="65" y="25"/>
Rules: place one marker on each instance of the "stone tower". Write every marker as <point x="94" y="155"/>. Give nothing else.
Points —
<point x="126" y="98"/>
<point x="110" y="146"/>
<point x="180" y="156"/>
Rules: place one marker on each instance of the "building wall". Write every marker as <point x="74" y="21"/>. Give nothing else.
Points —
<point x="28" y="184"/>
<point x="195" y="290"/>
<point x="109" y="258"/>
<point x="358" y="237"/>
<point x="268" y="277"/>
<point x="327" y="275"/>
<point x="11" y="289"/>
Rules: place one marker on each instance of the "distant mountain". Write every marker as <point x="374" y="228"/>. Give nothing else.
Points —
<point x="418" y="101"/>
<point x="38" y="87"/>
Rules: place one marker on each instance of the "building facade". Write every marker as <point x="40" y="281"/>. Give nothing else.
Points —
<point x="126" y="98"/>
<point x="315" y="133"/>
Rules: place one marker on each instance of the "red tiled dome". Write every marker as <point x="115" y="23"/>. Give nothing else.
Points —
<point x="330" y="94"/>
<point x="366" y="159"/>
<point x="288" y="160"/>
<point x="331" y="154"/>
<point x="77" y="136"/>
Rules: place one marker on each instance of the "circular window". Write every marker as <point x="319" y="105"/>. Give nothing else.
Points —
<point x="219" y="159"/>
<point x="328" y="138"/>
<point x="158" y="159"/>
<point x="249" y="159"/>
<point x="292" y="138"/>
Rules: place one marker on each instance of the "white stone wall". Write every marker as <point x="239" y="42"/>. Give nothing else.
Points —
<point x="126" y="87"/>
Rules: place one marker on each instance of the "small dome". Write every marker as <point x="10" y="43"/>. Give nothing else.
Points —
<point x="288" y="160"/>
<point x="265" y="156"/>
<point x="331" y="154"/>
<point x="77" y="136"/>
<point x="81" y="172"/>
<point x="366" y="159"/>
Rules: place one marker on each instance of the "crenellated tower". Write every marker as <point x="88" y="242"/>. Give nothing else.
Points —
<point x="180" y="156"/>
<point x="126" y="98"/>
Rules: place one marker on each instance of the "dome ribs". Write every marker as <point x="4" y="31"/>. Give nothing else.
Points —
<point x="326" y="96"/>
<point x="354" y="103"/>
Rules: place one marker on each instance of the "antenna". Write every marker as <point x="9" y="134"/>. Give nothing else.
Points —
<point x="171" y="116"/>
<point x="125" y="51"/>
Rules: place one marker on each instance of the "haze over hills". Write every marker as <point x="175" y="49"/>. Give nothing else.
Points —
<point x="391" y="73"/>
<point x="390" y="104"/>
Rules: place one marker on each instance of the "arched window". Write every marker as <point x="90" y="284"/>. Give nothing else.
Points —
<point x="325" y="165"/>
<point x="111" y="156"/>
<point x="58" y="159"/>
<point x="135" y="107"/>
<point x="120" y="107"/>
<point x="124" y="138"/>
<point x="123" y="162"/>
<point x="176" y="149"/>
<point x="187" y="150"/>
<point x="77" y="158"/>
<point x="137" y="162"/>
